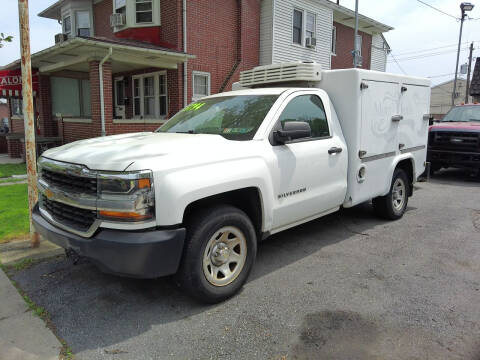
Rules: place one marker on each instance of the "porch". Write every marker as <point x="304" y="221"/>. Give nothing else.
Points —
<point x="93" y="86"/>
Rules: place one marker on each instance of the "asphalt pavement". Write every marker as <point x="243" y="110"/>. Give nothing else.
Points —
<point x="347" y="286"/>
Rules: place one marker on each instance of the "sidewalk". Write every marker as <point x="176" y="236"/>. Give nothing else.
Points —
<point x="23" y="336"/>
<point x="4" y="159"/>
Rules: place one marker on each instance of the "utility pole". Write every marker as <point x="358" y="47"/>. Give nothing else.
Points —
<point x="356" y="52"/>
<point x="468" y="72"/>
<point x="28" y="115"/>
<point x="464" y="6"/>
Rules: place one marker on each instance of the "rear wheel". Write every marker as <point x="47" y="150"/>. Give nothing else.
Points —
<point x="219" y="253"/>
<point x="393" y="205"/>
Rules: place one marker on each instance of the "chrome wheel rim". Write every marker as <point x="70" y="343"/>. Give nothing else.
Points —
<point x="398" y="194"/>
<point x="224" y="256"/>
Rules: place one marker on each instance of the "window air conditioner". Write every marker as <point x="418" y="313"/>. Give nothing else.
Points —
<point x="117" y="19"/>
<point x="310" y="42"/>
<point x="59" y="38"/>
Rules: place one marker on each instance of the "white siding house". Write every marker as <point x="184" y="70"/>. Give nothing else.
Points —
<point x="380" y="51"/>
<point x="266" y="32"/>
<point x="284" y="49"/>
<point x="282" y="20"/>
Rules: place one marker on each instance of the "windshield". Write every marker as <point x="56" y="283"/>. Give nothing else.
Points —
<point x="463" y="114"/>
<point x="233" y="117"/>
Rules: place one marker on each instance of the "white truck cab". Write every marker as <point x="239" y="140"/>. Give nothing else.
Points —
<point x="194" y="197"/>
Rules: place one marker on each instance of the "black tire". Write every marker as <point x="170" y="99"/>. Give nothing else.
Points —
<point x="384" y="205"/>
<point x="200" y="230"/>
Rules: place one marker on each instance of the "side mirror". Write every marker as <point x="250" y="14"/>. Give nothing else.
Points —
<point x="292" y="130"/>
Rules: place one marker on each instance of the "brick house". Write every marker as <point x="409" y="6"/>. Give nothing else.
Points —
<point x="159" y="55"/>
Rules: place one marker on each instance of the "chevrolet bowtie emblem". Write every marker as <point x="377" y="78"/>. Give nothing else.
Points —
<point x="48" y="194"/>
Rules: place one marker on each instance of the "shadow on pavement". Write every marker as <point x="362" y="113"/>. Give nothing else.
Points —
<point x="456" y="177"/>
<point x="92" y="310"/>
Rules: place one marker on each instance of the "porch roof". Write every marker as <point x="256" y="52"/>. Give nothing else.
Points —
<point x="346" y="16"/>
<point x="127" y="55"/>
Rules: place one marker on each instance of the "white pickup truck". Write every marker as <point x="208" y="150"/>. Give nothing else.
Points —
<point x="194" y="197"/>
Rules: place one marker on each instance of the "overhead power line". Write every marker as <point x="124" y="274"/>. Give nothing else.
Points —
<point x="401" y="69"/>
<point x="441" y="11"/>
<point x="430" y="49"/>
<point x="427" y="55"/>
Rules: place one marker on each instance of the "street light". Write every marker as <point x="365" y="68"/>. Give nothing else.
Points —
<point x="465" y="6"/>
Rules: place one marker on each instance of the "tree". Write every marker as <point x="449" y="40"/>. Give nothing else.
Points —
<point x="4" y="39"/>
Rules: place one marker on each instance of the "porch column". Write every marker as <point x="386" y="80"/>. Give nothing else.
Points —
<point x="44" y="107"/>
<point x="95" y="98"/>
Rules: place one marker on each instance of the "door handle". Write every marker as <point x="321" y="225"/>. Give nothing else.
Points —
<point x="397" y="117"/>
<point x="334" y="150"/>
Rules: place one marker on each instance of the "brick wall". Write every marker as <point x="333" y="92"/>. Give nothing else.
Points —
<point x="4" y="111"/>
<point x="101" y="19"/>
<point x="171" y="18"/>
<point x="96" y="125"/>
<point x="15" y="147"/>
<point x="44" y="108"/>
<point x="344" y="58"/>
<point x="220" y="33"/>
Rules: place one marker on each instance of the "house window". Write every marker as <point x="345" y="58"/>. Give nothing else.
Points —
<point x="150" y="95"/>
<point x="201" y="84"/>
<point x="67" y="25"/>
<point x="359" y="44"/>
<point x="16" y="107"/>
<point x="143" y="11"/>
<point x="310" y="26"/>
<point x="70" y="97"/>
<point x="297" y="26"/>
<point x="83" y="23"/>
<point x="334" y="40"/>
<point x="120" y="7"/>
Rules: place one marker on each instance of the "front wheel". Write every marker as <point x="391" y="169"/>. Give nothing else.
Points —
<point x="393" y="205"/>
<point x="219" y="253"/>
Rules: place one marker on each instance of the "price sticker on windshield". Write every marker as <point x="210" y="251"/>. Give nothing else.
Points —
<point x="194" y="106"/>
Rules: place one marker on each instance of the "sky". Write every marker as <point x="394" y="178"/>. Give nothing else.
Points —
<point x="419" y="31"/>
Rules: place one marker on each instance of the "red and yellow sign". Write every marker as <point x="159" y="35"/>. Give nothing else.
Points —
<point x="11" y="82"/>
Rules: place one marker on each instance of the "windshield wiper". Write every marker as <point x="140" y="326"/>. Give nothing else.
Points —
<point x="185" y="132"/>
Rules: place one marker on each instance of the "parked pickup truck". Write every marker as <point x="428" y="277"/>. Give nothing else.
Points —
<point x="194" y="197"/>
<point x="455" y="140"/>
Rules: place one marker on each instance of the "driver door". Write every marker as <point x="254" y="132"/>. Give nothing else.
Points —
<point x="311" y="176"/>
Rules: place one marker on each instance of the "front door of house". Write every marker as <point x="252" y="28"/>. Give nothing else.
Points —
<point x="119" y="98"/>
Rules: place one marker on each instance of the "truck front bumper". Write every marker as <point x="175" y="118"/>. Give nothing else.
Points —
<point x="454" y="158"/>
<point x="140" y="254"/>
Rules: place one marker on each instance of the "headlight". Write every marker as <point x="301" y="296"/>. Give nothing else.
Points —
<point x="126" y="196"/>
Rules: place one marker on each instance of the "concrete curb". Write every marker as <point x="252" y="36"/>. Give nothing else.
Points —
<point x="15" y="251"/>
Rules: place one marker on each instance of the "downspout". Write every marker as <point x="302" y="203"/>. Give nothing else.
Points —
<point x="102" y="100"/>
<point x="185" y="66"/>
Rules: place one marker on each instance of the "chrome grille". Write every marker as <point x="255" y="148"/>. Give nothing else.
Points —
<point x="76" y="218"/>
<point x="70" y="183"/>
